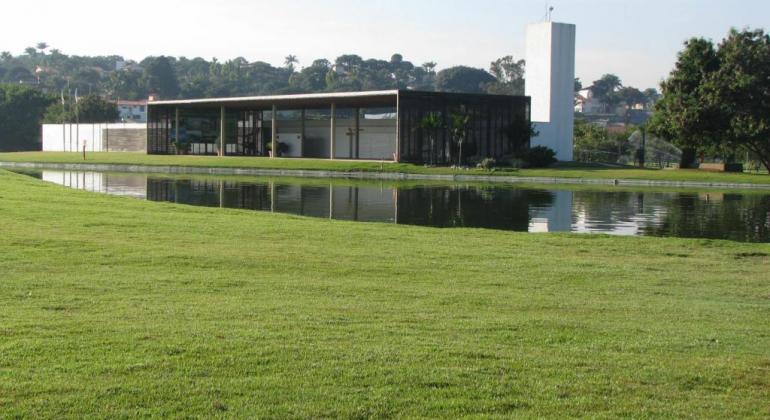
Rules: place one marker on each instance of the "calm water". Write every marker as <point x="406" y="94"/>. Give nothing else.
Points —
<point x="711" y="214"/>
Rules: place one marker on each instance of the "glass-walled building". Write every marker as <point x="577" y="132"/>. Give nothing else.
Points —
<point x="406" y="126"/>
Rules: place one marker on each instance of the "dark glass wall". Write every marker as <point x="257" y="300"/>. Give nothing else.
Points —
<point x="497" y="126"/>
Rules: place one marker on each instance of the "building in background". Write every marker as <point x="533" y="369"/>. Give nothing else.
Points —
<point x="376" y="125"/>
<point x="132" y="111"/>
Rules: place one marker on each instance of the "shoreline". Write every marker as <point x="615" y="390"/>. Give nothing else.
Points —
<point x="392" y="176"/>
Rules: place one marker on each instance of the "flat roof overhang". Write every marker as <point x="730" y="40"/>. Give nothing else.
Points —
<point x="382" y="98"/>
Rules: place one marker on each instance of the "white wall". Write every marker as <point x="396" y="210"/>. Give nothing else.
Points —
<point x="70" y="137"/>
<point x="550" y="82"/>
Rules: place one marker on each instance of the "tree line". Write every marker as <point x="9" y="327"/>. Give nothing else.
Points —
<point x="113" y="77"/>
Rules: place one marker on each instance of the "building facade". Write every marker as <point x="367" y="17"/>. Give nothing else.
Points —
<point x="132" y="111"/>
<point x="397" y="125"/>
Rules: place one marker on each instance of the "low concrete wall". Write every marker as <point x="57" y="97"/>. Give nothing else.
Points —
<point x="95" y="137"/>
<point x="395" y="176"/>
<point x="125" y="139"/>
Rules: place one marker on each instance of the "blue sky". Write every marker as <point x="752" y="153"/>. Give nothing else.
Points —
<point x="637" y="40"/>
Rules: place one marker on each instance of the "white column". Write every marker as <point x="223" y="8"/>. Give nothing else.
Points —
<point x="551" y="85"/>
<point x="222" y="131"/>
<point x="333" y="133"/>
<point x="274" y="131"/>
<point x="302" y="134"/>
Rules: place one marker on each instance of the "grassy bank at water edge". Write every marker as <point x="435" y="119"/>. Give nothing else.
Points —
<point x="563" y="171"/>
<point x="118" y="307"/>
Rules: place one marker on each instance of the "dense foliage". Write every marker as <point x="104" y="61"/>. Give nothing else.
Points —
<point x="596" y="144"/>
<point x="540" y="157"/>
<point x="716" y="101"/>
<point x="21" y="109"/>
<point x="114" y="77"/>
<point x="90" y="109"/>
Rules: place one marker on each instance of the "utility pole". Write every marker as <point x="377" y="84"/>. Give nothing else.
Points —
<point x="643" y="152"/>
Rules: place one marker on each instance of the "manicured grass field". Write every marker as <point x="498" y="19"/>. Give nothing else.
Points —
<point x="115" y="307"/>
<point x="564" y="171"/>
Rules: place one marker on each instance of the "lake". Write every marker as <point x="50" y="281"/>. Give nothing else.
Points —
<point x="737" y="216"/>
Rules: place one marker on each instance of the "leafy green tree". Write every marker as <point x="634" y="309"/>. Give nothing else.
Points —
<point x="313" y="78"/>
<point x="509" y="74"/>
<point x="94" y="109"/>
<point x="21" y="110"/>
<point x="89" y="109"/>
<point x="578" y="85"/>
<point x="463" y="79"/>
<point x="595" y="144"/>
<point x="605" y="90"/>
<point x="630" y="97"/>
<point x="740" y="92"/>
<point x="685" y="114"/>
<point x="124" y="84"/>
<point x="651" y="96"/>
<point x="160" y="78"/>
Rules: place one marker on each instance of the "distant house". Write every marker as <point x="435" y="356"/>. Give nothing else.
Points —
<point x="132" y="111"/>
<point x="122" y="65"/>
<point x="586" y="103"/>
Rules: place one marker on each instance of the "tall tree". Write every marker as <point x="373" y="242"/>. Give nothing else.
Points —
<point x="160" y="78"/>
<point x="21" y="110"/>
<point x="459" y="130"/>
<point x="651" y="96"/>
<point x="463" y="79"/>
<point x="684" y="114"/>
<point x="740" y="91"/>
<point x="630" y="97"/>
<point x="290" y="62"/>
<point x="429" y="126"/>
<point x="605" y="90"/>
<point x="509" y="74"/>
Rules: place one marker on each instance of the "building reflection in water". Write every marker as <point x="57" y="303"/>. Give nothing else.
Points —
<point x="706" y="215"/>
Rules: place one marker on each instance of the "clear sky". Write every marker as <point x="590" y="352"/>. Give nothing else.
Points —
<point x="637" y="40"/>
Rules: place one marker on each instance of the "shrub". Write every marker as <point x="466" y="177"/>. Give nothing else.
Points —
<point x="540" y="157"/>
<point x="487" y="164"/>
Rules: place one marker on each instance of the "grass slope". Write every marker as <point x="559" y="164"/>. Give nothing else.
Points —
<point x="565" y="171"/>
<point x="118" y="307"/>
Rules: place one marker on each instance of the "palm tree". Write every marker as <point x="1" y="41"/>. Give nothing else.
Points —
<point x="459" y="131"/>
<point x="429" y="124"/>
<point x="42" y="46"/>
<point x="290" y="61"/>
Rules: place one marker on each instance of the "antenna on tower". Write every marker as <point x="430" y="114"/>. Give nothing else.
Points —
<point x="548" y="12"/>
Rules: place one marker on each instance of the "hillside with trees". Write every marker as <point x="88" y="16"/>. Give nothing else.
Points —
<point x="41" y="84"/>
<point x="114" y="77"/>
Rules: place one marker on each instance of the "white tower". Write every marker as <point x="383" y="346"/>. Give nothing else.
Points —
<point x="550" y="82"/>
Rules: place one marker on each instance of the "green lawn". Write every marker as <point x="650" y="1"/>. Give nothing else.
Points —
<point x="115" y="307"/>
<point x="564" y="171"/>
